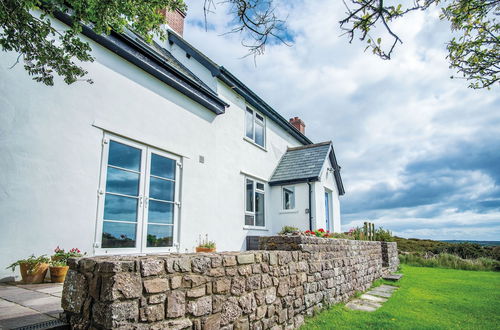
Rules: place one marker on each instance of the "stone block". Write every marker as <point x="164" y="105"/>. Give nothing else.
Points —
<point x="112" y="315"/>
<point x="200" y="264"/>
<point x="222" y="286"/>
<point x="229" y="261"/>
<point x="212" y="322"/>
<point x="196" y="292"/>
<point x="238" y="286"/>
<point x="191" y="281"/>
<point x="121" y="285"/>
<point x="157" y="299"/>
<point x="246" y="258"/>
<point x="231" y="311"/>
<point x="75" y="291"/>
<point x="152" y="313"/>
<point x="201" y="306"/>
<point x="175" y="282"/>
<point x="151" y="267"/>
<point x="156" y="285"/>
<point x="254" y="282"/>
<point x="247" y="303"/>
<point x="176" y="304"/>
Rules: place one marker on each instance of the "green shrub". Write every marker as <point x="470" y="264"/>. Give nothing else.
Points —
<point x="446" y="260"/>
<point x="288" y="230"/>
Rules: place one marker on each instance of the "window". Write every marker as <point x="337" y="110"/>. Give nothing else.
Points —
<point x="255" y="127"/>
<point x="288" y="198"/>
<point x="137" y="197"/>
<point x="254" y="203"/>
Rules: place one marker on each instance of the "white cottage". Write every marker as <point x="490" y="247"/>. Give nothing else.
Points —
<point x="165" y="146"/>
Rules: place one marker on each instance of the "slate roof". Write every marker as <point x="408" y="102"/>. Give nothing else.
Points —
<point x="301" y="163"/>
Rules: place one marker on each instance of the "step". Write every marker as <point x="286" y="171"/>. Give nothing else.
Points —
<point x="392" y="277"/>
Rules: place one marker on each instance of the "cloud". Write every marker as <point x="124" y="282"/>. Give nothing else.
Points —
<point x="420" y="152"/>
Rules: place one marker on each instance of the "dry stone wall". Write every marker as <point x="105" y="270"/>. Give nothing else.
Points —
<point x="274" y="287"/>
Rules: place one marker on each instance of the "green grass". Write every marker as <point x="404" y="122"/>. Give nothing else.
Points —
<point x="428" y="298"/>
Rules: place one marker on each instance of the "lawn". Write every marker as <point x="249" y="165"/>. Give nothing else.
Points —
<point x="428" y="298"/>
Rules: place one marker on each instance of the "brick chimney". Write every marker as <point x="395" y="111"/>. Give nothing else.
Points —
<point x="298" y="124"/>
<point x="175" y="19"/>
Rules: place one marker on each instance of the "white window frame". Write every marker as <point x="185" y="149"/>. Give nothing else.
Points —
<point x="255" y="121"/>
<point x="252" y="213"/>
<point x="292" y="189"/>
<point x="142" y="214"/>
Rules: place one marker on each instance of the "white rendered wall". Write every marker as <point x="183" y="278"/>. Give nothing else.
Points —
<point x="297" y="217"/>
<point x="50" y="142"/>
<point x="327" y="181"/>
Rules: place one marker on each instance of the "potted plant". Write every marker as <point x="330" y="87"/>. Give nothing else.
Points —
<point x="205" y="245"/>
<point x="33" y="269"/>
<point x="59" y="263"/>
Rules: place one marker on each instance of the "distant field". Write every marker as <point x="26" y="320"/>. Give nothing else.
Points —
<point x="428" y="298"/>
<point x="483" y="243"/>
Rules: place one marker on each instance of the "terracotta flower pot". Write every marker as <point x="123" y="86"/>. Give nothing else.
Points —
<point x="37" y="275"/>
<point x="203" y="249"/>
<point x="58" y="273"/>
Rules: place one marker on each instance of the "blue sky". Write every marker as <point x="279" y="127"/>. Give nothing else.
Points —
<point x="420" y="152"/>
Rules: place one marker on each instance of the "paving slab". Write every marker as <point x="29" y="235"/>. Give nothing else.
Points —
<point x="386" y="288"/>
<point x="363" y="305"/>
<point x="379" y="293"/>
<point x="24" y="305"/>
<point x="13" y="315"/>
<point x="369" y="297"/>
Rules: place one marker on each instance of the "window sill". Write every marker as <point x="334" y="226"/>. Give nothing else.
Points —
<point x="255" y="144"/>
<point x="255" y="228"/>
<point x="288" y="211"/>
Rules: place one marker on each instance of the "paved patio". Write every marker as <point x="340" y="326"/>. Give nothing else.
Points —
<point x="24" y="305"/>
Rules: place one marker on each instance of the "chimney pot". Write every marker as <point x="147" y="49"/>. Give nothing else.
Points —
<point x="298" y="124"/>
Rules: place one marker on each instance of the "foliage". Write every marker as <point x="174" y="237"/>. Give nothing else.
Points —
<point x="206" y="243"/>
<point x="288" y="230"/>
<point x="383" y="235"/>
<point x="446" y="260"/>
<point x="32" y="262"/>
<point x="463" y="250"/>
<point x="26" y="28"/>
<point x="474" y="52"/>
<point x="428" y="298"/>
<point x="60" y="256"/>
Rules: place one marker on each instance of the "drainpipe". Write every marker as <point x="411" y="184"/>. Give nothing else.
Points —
<point x="310" y="211"/>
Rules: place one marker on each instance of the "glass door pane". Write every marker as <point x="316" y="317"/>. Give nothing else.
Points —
<point x="161" y="201"/>
<point x="121" y="198"/>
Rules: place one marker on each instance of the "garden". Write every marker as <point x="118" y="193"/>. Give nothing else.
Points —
<point x="427" y="298"/>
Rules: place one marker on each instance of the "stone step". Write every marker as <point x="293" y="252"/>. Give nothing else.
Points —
<point x="392" y="277"/>
<point x="369" y="297"/>
<point x="363" y="305"/>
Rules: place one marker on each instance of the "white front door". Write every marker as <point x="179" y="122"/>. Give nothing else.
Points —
<point x="138" y="198"/>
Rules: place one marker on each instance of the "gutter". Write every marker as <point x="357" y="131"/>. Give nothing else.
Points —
<point x="310" y="205"/>
<point x="144" y="58"/>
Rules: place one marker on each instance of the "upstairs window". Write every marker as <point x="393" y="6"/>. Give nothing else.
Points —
<point x="255" y="128"/>
<point x="289" y="198"/>
<point x="254" y="203"/>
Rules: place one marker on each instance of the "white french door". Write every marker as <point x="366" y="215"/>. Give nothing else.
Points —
<point x="138" y="198"/>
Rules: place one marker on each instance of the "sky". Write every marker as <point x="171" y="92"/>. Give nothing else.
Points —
<point x="420" y="152"/>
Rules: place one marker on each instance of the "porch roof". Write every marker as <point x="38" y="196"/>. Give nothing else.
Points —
<point x="304" y="164"/>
